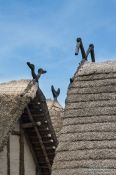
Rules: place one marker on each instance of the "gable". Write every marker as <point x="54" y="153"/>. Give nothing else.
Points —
<point x="25" y="101"/>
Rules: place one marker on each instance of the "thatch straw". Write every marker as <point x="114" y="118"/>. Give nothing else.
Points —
<point x="14" y="96"/>
<point x="56" y="113"/>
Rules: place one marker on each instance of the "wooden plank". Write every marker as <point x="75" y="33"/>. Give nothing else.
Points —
<point x="44" y="137"/>
<point x="48" y="148"/>
<point x="35" y="141"/>
<point x="8" y="156"/>
<point x="40" y="140"/>
<point x="35" y="115"/>
<point x="38" y="169"/>
<point x="21" y="140"/>
<point x="44" y="130"/>
<point x="30" y="125"/>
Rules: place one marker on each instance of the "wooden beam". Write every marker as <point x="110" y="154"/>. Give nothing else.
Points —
<point x="35" y="115"/>
<point x="21" y="165"/>
<point x="47" y="148"/>
<point x="8" y="156"/>
<point x="30" y="125"/>
<point x="40" y="139"/>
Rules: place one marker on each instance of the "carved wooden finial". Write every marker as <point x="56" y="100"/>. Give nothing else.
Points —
<point x="55" y="92"/>
<point x="34" y="75"/>
<point x="90" y="50"/>
<point x="79" y="45"/>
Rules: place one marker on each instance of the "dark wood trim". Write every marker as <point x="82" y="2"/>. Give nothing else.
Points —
<point x="40" y="139"/>
<point x="21" y="154"/>
<point x="8" y="156"/>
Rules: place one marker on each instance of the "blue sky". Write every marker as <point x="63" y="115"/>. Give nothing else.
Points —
<point x="44" y="32"/>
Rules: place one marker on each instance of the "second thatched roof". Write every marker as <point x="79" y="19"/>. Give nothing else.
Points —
<point x="56" y="113"/>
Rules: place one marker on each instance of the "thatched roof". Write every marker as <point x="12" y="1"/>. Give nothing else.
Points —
<point x="14" y="96"/>
<point x="56" y="113"/>
<point x="87" y="144"/>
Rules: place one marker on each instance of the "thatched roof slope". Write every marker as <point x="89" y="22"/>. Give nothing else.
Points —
<point x="56" y="113"/>
<point x="14" y="96"/>
<point x="87" y="144"/>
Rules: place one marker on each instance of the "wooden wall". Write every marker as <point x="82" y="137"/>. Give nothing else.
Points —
<point x="11" y="158"/>
<point x="29" y="164"/>
<point x="3" y="162"/>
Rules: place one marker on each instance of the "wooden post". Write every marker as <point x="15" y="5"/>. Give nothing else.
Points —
<point x="8" y="156"/>
<point x="21" y="166"/>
